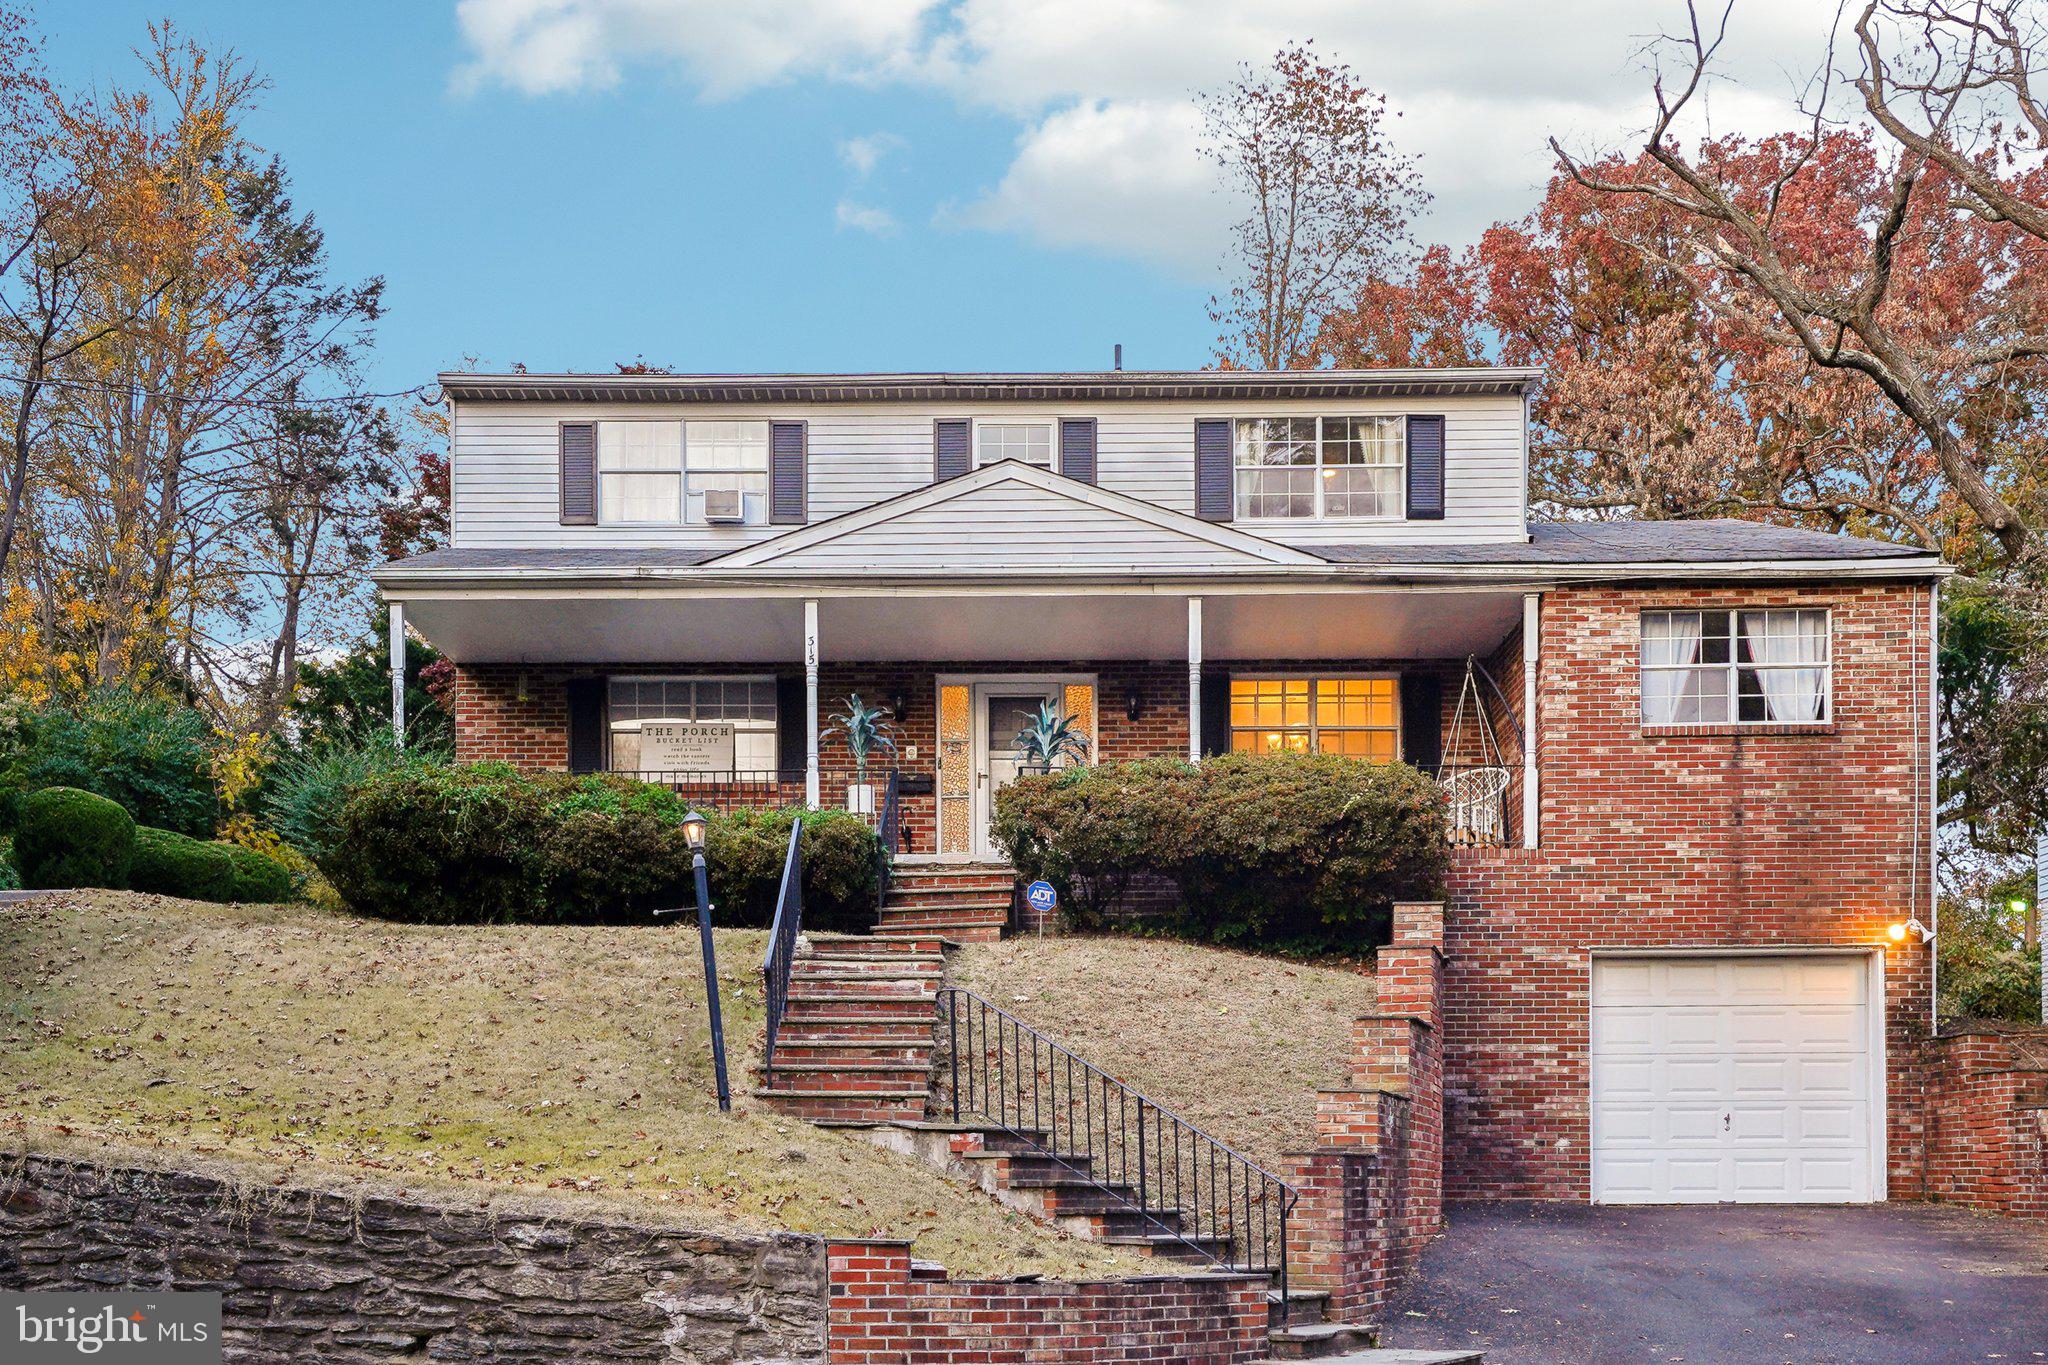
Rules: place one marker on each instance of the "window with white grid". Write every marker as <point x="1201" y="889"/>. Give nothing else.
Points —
<point x="1321" y="467"/>
<point x="747" y="704"/>
<point x="1772" y="666"/>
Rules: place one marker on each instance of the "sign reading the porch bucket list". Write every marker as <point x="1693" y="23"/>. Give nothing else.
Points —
<point x="679" y="746"/>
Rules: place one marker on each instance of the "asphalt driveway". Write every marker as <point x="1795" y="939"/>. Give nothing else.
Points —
<point x="1557" y="1284"/>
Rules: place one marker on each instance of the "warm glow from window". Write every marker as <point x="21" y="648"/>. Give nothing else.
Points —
<point x="1358" y="717"/>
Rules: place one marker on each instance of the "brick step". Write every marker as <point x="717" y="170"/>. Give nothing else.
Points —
<point x="946" y="921"/>
<point x="899" y="1106"/>
<point x="841" y="971"/>
<point x="1301" y="1306"/>
<point x="970" y="933"/>
<point x="839" y="1008"/>
<point x="947" y="895"/>
<point x="1019" y="1165"/>
<point x="850" y="1051"/>
<point x="826" y="1027"/>
<point x="1195" y="1250"/>
<point x="859" y="990"/>
<point x="913" y="936"/>
<point x="1101" y="1224"/>
<point x="864" y="1077"/>
<point x="867" y="945"/>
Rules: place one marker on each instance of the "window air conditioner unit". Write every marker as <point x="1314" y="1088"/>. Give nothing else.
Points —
<point x="724" y="505"/>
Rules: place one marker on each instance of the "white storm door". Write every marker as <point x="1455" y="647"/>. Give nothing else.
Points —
<point x="1001" y="709"/>
<point x="1734" y="1080"/>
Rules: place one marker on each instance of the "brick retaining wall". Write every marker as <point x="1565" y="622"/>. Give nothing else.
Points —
<point x="1987" y="1120"/>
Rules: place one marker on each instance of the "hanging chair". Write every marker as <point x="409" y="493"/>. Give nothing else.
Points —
<point x="1473" y="774"/>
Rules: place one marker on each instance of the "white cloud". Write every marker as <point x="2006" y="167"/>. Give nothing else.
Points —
<point x="864" y="218"/>
<point x="863" y="154"/>
<point x="1102" y="92"/>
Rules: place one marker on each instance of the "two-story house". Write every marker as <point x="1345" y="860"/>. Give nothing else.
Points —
<point x="1693" y="766"/>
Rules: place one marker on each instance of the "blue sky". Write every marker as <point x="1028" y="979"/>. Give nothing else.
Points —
<point x="569" y="183"/>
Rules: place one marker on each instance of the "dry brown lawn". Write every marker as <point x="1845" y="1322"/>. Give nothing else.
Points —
<point x="1236" y="1044"/>
<point x="521" y="1059"/>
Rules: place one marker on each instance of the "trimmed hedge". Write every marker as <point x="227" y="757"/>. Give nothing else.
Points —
<point x="486" y="844"/>
<point x="65" y="837"/>
<point x="259" y="878"/>
<point x="1293" y="852"/>
<point x="170" y="864"/>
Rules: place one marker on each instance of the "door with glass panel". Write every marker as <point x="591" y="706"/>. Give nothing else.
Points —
<point x="1001" y="709"/>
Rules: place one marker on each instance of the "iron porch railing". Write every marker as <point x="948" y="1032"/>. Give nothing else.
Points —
<point x="782" y="937"/>
<point x="1177" y="1180"/>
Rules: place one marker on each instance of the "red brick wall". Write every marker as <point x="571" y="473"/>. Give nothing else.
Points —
<point x="882" y="1313"/>
<point x="1987" y="1121"/>
<point x="1681" y="840"/>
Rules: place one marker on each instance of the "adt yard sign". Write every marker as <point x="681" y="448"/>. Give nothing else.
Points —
<point x="1041" y="897"/>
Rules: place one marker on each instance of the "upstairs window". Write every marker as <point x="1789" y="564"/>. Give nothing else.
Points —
<point x="1031" y="442"/>
<point x="1320" y="467"/>
<point x="657" y="473"/>
<point x="1736" y="667"/>
<point x="1358" y="717"/>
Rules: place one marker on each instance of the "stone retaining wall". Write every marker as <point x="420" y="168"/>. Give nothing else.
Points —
<point x="311" y="1275"/>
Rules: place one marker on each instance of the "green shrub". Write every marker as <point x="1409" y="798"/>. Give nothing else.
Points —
<point x="10" y="875"/>
<point x="151" y="756"/>
<point x="171" y="864"/>
<point x="259" y="878"/>
<point x="303" y="794"/>
<point x="66" y="837"/>
<point x="1292" y="852"/>
<point x="486" y="844"/>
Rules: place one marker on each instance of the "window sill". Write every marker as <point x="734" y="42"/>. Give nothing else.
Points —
<point x="1725" y="730"/>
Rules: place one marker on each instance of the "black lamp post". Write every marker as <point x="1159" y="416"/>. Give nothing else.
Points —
<point x="693" y="833"/>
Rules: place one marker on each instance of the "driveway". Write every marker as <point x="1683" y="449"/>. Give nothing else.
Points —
<point x="1569" y="1284"/>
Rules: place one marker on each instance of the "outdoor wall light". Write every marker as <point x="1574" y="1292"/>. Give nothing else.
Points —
<point x="1897" y="932"/>
<point x="897" y="704"/>
<point x="1133" y="704"/>
<point x="693" y="830"/>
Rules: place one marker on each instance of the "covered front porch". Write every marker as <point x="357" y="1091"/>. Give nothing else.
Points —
<point x="728" y="691"/>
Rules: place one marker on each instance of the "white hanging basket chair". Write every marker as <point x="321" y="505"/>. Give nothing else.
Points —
<point x="1473" y="774"/>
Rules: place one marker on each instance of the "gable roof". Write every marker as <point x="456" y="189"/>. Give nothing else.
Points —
<point x="1014" y="517"/>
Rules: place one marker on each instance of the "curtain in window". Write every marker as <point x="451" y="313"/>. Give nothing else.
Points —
<point x="1670" y="638"/>
<point x="1780" y="638"/>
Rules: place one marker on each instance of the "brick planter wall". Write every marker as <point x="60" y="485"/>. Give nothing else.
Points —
<point x="887" y="1311"/>
<point x="1987" y="1120"/>
<point x="1706" y="839"/>
<point x="307" y="1275"/>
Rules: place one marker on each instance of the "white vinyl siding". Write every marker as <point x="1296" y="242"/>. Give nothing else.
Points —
<point x="506" y="465"/>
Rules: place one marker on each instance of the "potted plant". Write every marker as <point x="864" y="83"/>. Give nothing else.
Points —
<point x="1048" y="737"/>
<point x="868" y="730"/>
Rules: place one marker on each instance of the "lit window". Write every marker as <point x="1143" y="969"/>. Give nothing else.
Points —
<point x="746" y="704"/>
<point x="1358" y="717"/>
<point x="1736" y="667"/>
<point x="1030" y="442"/>
<point x="1308" y="467"/>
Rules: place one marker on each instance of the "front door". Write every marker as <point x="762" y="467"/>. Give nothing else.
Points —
<point x="1001" y="709"/>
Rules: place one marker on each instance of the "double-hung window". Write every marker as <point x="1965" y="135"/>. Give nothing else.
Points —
<point x="1736" y="667"/>
<point x="1358" y="717"/>
<point x="657" y="473"/>
<point x="1321" y="467"/>
<point x="746" y="704"/>
<point x="1031" y="442"/>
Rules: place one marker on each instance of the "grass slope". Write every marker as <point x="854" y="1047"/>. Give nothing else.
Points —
<point x="1236" y="1044"/>
<point x="566" y="1059"/>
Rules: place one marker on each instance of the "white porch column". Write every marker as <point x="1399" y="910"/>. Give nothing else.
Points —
<point x="398" y="673"/>
<point x="811" y="704"/>
<point x="1194" y="680"/>
<point x="1531" y="796"/>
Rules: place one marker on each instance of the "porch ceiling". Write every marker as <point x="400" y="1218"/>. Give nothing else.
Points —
<point x="936" y="628"/>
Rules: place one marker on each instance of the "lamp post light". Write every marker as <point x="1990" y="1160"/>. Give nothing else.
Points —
<point x="694" y="825"/>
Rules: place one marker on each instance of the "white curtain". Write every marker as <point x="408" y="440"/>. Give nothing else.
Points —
<point x="1672" y="638"/>
<point x="1790" y="694"/>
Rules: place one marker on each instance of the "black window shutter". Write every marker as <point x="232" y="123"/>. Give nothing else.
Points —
<point x="1422" y="719"/>
<point x="788" y="458"/>
<point x="1215" y="713"/>
<point x="586" y="724"/>
<point x="578" y="459"/>
<point x="950" y="457"/>
<point x="1077" y="448"/>
<point x="1425" y="469"/>
<point x="792" y="727"/>
<point x="1212" y="471"/>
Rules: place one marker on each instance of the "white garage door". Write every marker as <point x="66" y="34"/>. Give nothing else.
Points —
<point x="1732" y="1079"/>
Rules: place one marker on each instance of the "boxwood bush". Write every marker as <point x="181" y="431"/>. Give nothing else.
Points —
<point x="1289" y="852"/>
<point x="486" y="844"/>
<point x="66" y="837"/>
<point x="170" y="864"/>
<point x="260" y="878"/>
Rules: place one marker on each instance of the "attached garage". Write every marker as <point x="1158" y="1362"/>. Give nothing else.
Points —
<point x="1737" y="1079"/>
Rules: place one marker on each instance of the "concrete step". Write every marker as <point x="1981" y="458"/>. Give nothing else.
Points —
<point x="1193" y="1250"/>
<point x="1323" y="1340"/>
<point x="1394" y="1356"/>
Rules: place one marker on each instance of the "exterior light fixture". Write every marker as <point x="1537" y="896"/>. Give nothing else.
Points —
<point x="694" y="825"/>
<point x="1897" y="932"/>
<point x="1133" y="704"/>
<point x="898" y="703"/>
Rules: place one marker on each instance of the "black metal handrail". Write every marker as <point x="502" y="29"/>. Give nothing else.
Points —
<point x="782" y="937"/>
<point x="889" y="828"/>
<point x="1180" y="1181"/>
